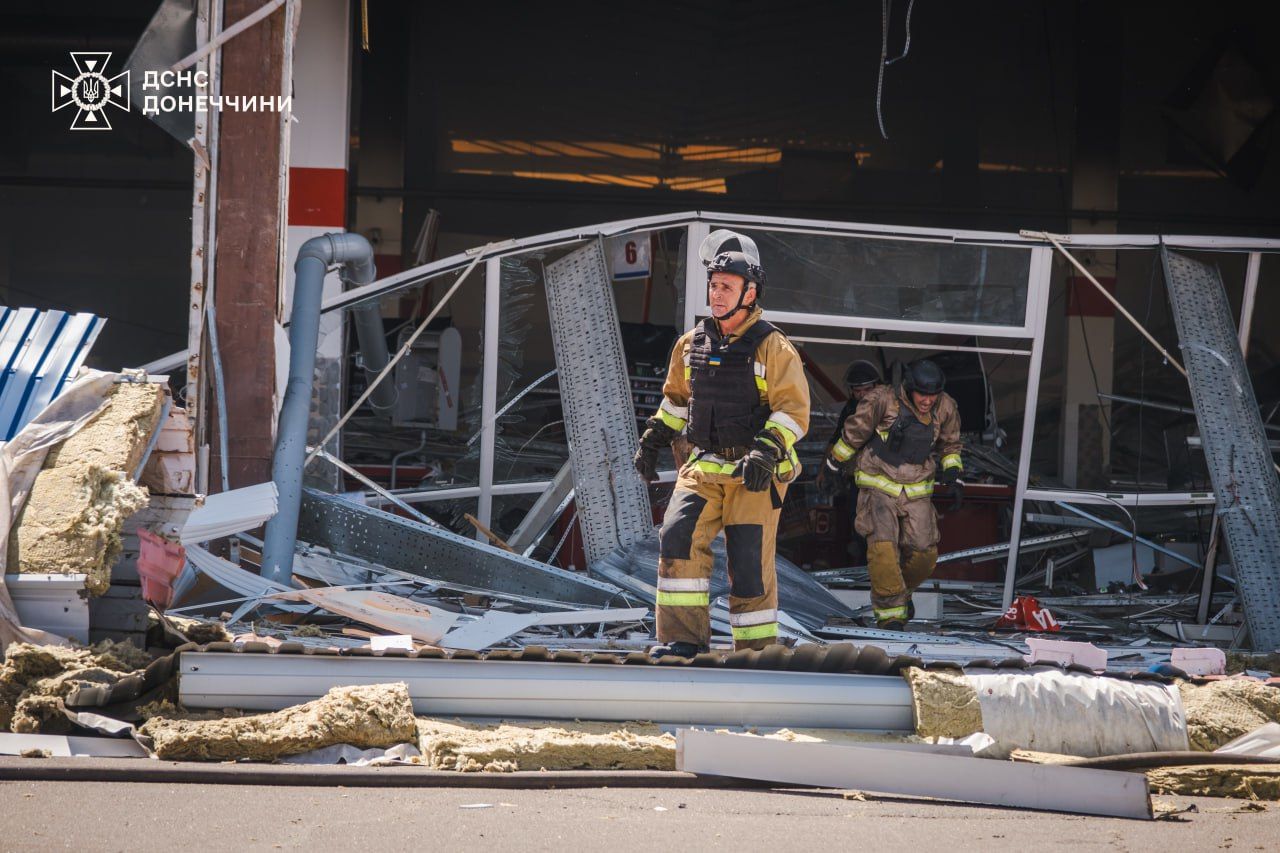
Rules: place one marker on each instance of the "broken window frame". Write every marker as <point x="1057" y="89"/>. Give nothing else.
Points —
<point x="699" y="224"/>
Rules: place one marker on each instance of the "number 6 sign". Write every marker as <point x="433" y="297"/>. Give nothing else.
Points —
<point x="629" y="256"/>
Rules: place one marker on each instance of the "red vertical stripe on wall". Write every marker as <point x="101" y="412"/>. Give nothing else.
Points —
<point x="318" y="197"/>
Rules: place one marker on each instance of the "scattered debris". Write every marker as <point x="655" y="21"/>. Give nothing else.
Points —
<point x="371" y="715"/>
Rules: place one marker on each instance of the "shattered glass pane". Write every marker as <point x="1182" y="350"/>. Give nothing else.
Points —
<point x="894" y="279"/>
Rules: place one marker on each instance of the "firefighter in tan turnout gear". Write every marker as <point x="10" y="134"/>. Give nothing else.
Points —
<point x="899" y="438"/>
<point x="736" y="389"/>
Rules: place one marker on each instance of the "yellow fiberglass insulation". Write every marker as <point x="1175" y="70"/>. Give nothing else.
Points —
<point x="366" y="716"/>
<point x="944" y="703"/>
<point x="1246" y="781"/>
<point x="506" y="747"/>
<point x="79" y="501"/>
<point x="1223" y="710"/>
<point x="34" y="678"/>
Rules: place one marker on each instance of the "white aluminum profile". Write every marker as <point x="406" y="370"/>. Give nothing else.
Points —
<point x="460" y="492"/>
<point x="236" y="511"/>
<point x="682" y="695"/>
<point x="863" y="342"/>
<point x="53" y="603"/>
<point x="1046" y="787"/>
<point x="1122" y="498"/>
<point x="489" y="390"/>
<point x="1037" y="299"/>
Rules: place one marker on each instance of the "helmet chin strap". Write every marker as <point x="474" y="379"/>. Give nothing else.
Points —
<point x="720" y="318"/>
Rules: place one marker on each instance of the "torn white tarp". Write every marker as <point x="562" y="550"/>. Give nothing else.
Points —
<point x="231" y="512"/>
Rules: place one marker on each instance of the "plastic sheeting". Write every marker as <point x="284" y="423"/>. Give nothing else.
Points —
<point x="1076" y="714"/>
<point x="635" y="568"/>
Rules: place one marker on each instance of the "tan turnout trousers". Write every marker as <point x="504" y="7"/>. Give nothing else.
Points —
<point x="702" y="506"/>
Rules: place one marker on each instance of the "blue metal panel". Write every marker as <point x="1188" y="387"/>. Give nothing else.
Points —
<point x="40" y="354"/>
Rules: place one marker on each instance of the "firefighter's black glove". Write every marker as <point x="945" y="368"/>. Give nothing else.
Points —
<point x="831" y="480"/>
<point x="757" y="467"/>
<point x="657" y="436"/>
<point x="951" y="477"/>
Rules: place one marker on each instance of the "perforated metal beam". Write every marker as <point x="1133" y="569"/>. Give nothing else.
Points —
<point x="613" y="503"/>
<point x="1234" y="440"/>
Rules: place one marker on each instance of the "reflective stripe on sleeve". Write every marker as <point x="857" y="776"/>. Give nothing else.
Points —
<point x="952" y="460"/>
<point x="842" y="451"/>
<point x="786" y="426"/>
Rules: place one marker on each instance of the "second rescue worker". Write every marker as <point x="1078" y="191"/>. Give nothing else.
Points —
<point x="898" y="438"/>
<point x="736" y="388"/>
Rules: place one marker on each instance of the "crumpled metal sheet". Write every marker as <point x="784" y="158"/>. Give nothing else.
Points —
<point x="409" y="546"/>
<point x="635" y="567"/>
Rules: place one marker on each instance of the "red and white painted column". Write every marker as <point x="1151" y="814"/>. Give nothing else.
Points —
<point x="319" y="144"/>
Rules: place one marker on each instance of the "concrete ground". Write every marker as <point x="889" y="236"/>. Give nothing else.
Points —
<point x="91" y="816"/>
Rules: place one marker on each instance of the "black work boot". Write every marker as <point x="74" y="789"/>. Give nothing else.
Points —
<point x="677" y="649"/>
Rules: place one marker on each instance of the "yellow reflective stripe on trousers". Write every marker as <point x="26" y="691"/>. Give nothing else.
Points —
<point x="684" y="599"/>
<point x="842" y="451"/>
<point x="952" y="460"/>
<point x="891" y="613"/>
<point x="755" y="632"/>
<point x="892" y="487"/>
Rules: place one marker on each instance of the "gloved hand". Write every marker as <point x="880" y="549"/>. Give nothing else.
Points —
<point x="951" y="477"/>
<point x="831" y="480"/>
<point x="757" y="467"/>
<point x="656" y="436"/>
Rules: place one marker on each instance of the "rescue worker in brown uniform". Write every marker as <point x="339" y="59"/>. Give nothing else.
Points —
<point x="736" y="389"/>
<point x="906" y="435"/>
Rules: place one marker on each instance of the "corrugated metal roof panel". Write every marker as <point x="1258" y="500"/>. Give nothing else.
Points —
<point x="40" y="353"/>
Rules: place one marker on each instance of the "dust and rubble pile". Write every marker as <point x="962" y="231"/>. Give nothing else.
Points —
<point x="1223" y="710"/>
<point x="506" y="747"/>
<point x="944" y="703"/>
<point x="35" y="679"/>
<point x="366" y="716"/>
<point x="79" y="501"/>
<point x="1246" y="781"/>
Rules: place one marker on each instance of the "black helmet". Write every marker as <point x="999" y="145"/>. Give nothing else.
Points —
<point x="728" y="251"/>
<point x="861" y="373"/>
<point x="924" y="376"/>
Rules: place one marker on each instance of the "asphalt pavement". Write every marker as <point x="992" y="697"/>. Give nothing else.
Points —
<point x="110" y="816"/>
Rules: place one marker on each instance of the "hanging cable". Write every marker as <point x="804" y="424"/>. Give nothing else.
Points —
<point x="886" y="9"/>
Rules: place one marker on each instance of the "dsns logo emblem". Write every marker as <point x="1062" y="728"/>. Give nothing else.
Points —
<point x="90" y="91"/>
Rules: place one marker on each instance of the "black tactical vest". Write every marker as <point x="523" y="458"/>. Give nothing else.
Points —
<point x="909" y="441"/>
<point x="724" y="404"/>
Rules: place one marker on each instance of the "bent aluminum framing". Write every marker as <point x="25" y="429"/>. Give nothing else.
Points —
<point x="697" y="224"/>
